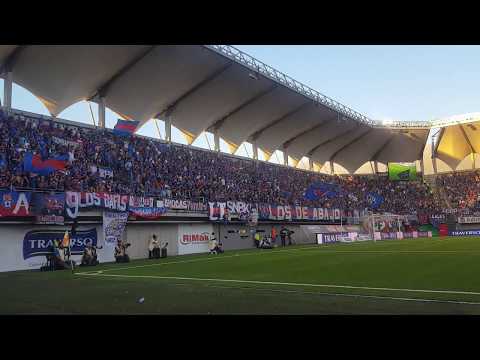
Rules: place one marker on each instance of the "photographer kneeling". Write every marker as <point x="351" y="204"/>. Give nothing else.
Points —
<point x="121" y="252"/>
<point x="89" y="257"/>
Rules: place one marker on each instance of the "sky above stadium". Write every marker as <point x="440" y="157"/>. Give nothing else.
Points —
<point x="406" y="83"/>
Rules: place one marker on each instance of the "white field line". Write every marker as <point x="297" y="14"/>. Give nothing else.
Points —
<point x="402" y="251"/>
<point x="213" y="257"/>
<point x="351" y="295"/>
<point x="317" y="249"/>
<point x="284" y="283"/>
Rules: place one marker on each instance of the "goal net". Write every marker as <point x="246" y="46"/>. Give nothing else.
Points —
<point x="384" y="226"/>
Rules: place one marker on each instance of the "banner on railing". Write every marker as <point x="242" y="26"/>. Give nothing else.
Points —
<point x="140" y="206"/>
<point x="113" y="226"/>
<point x="74" y="201"/>
<point x="147" y="212"/>
<point x="186" y="205"/>
<point x="13" y="203"/>
<point x="49" y="208"/>
<point x="469" y="219"/>
<point x="240" y="210"/>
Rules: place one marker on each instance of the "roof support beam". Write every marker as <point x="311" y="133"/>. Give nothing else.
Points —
<point x="316" y="147"/>
<point x="101" y="113"/>
<point x="170" y="108"/>
<point x="216" y="140"/>
<point x="103" y="89"/>
<point x="434" y="149"/>
<point x="257" y="134"/>
<point x="255" y="150"/>
<point x="217" y="124"/>
<point x="285" y="156"/>
<point x="359" y="137"/>
<point x="7" y="90"/>
<point x="420" y="155"/>
<point x="168" y="129"/>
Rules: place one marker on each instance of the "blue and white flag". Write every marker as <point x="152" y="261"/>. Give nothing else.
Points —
<point x="374" y="200"/>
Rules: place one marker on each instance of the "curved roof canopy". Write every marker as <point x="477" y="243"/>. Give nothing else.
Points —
<point x="458" y="140"/>
<point x="210" y="88"/>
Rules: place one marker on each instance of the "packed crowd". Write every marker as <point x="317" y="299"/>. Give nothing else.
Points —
<point x="142" y="166"/>
<point x="461" y="189"/>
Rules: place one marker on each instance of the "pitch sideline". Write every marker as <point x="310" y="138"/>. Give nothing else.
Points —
<point x="283" y="283"/>
<point x="311" y="248"/>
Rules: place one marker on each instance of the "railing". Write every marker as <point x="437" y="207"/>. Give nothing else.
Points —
<point x="279" y="77"/>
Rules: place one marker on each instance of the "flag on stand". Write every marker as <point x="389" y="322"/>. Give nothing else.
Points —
<point x="125" y="127"/>
<point x="374" y="200"/>
<point x="35" y="164"/>
<point x="321" y="190"/>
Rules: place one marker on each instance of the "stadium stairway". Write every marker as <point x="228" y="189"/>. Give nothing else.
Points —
<point x="437" y="191"/>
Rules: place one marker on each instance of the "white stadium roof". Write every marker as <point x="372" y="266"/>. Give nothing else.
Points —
<point x="213" y="88"/>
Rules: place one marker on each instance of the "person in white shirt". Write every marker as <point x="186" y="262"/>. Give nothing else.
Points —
<point x="153" y="248"/>
<point x="212" y="244"/>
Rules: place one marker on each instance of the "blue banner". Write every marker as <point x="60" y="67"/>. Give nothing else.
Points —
<point x="48" y="204"/>
<point x="464" y="232"/>
<point x="320" y="190"/>
<point x="37" y="242"/>
<point x="374" y="200"/>
<point x="147" y="212"/>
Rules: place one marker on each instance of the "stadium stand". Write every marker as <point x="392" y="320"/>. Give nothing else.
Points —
<point x="100" y="161"/>
<point x="461" y="189"/>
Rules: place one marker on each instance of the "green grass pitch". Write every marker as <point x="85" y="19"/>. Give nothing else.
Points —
<point x="415" y="276"/>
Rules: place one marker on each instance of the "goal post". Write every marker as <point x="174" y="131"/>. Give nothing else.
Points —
<point x="378" y="224"/>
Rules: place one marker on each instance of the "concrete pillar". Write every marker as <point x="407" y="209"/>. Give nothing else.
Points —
<point x="216" y="139"/>
<point x="285" y="157"/>
<point x="375" y="166"/>
<point x="332" y="169"/>
<point x="101" y="113"/>
<point x="310" y="164"/>
<point x="7" y="90"/>
<point x="255" y="150"/>
<point x="168" y="128"/>
<point x="434" y="162"/>
<point x="422" y="167"/>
